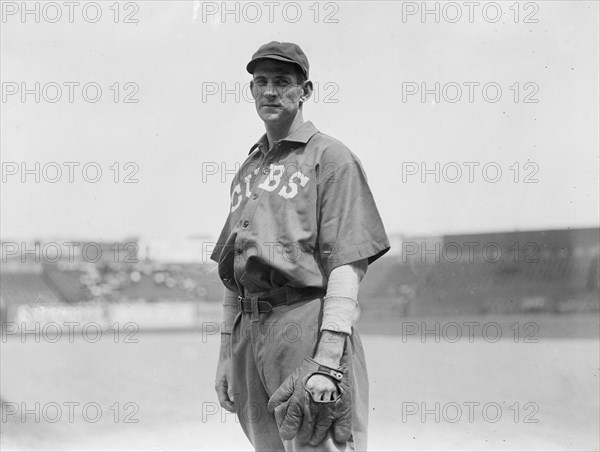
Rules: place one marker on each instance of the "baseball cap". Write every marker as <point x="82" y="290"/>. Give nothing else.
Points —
<point x="281" y="51"/>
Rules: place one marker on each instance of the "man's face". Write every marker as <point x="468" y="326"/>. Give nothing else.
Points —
<point x="276" y="92"/>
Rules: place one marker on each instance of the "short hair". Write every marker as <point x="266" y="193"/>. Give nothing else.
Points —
<point x="300" y="75"/>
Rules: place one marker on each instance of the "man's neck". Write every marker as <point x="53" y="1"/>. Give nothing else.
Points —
<point x="279" y="132"/>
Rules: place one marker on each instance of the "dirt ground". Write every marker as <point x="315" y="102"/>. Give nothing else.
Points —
<point x="427" y="392"/>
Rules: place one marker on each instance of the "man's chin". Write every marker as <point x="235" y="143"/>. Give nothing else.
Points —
<point x="271" y="117"/>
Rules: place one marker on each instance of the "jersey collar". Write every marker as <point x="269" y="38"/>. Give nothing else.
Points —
<point x="301" y="135"/>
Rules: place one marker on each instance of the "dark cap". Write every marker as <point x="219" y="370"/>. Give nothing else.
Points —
<point x="281" y="51"/>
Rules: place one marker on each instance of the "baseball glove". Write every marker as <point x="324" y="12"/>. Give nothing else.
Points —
<point x="297" y="414"/>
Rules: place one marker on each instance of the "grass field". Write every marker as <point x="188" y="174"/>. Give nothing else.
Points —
<point x="537" y="395"/>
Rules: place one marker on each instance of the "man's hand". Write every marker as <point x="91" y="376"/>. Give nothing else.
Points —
<point x="309" y="404"/>
<point x="329" y="353"/>
<point x="224" y="376"/>
<point x="322" y="388"/>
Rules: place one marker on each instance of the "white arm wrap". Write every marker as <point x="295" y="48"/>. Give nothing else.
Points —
<point x="340" y="307"/>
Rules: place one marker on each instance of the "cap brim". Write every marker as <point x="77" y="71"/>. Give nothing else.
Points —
<point x="250" y="66"/>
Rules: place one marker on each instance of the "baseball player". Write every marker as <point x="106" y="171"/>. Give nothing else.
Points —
<point x="302" y="229"/>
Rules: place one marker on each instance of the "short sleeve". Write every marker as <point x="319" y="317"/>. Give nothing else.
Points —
<point x="221" y="242"/>
<point x="350" y="227"/>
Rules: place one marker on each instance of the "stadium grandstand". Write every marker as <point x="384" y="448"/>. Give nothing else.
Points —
<point x="555" y="271"/>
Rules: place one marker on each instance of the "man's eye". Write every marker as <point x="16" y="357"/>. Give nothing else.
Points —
<point x="282" y="83"/>
<point x="260" y="83"/>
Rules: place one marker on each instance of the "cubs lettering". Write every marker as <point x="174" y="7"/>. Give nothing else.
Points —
<point x="270" y="184"/>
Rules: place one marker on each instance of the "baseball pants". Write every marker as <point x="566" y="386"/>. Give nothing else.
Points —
<point x="266" y="352"/>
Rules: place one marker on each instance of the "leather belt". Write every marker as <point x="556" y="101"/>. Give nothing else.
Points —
<point x="263" y="302"/>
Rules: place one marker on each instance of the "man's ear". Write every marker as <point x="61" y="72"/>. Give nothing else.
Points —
<point x="307" y="90"/>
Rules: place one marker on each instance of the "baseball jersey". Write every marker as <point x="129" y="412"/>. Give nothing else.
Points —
<point x="297" y="212"/>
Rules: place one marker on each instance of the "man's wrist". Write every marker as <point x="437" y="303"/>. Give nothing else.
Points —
<point x="330" y="348"/>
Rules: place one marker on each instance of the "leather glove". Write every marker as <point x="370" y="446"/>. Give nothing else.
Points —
<point x="298" y="414"/>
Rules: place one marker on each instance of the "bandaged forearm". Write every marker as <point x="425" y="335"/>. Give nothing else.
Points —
<point x="230" y="310"/>
<point x="340" y="306"/>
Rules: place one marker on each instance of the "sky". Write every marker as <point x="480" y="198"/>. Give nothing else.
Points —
<point x="527" y="146"/>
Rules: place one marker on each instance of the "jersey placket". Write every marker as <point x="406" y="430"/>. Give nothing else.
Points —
<point x="247" y="215"/>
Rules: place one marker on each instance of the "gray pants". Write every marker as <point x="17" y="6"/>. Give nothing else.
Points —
<point x="266" y="352"/>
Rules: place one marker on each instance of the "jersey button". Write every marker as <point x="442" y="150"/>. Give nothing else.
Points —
<point x="245" y="223"/>
<point x="254" y="196"/>
<point x="265" y="171"/>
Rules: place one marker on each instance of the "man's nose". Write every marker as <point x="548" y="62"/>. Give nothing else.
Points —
<point x="270" y="90"/>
